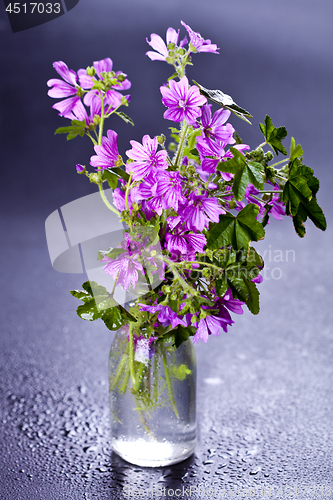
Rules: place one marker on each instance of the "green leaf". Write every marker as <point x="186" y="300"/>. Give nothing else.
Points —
<point x="221" y="286"/>
<point x="191" y="140"/>
<point x="175" y="75"/>
<point x="295" y="151"/>
<point x="112" y="253"/>
<point x="179" y="372"/>
<point x="235" y="278"/>
<point x="81" y="295"/>
<point x="120" y="172"/>
<point x="112" y="318"/>
<point x="88" y="311"/>
<point x="299" y="195"/>
<point x="111" y="178"/>
<point x="77" y="128"/>
<point x="253" y="299"/>
<point x="244" y="173"/>
<point x="236" y="231"/>
<point x="312" y="210"/>
<point x="94" y="288"/>
<point x="99" y="304"/>
<point x="239" y="278"/>
<point x="274" y="135"/>
<point x="296" y="187"/>
<point x="126" y="118"/>
<point x="127" y="314"/>
<point x="225" y="101"/>
<point x="254" y="259"/>
<point x="179" y="334"/>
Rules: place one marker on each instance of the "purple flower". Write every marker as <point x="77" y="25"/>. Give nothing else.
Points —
<point x="146" y="159"/>
<point x="214" y="127"/>
<point x="71" y="107"/>
<point x="277" y="208"/>
<point x="158" y="44"/>
<point x="126" y="267"/>
<point x="200" y="212"/>
<point x="107" y="153"/>
<point x="258" y="279"/>
<point x="183" y="101"/>
<point x="102" y="66"/>
<point x="169" y="187"/>
<point x="227" y="301"/>
<point x="198" y="43"/>
<point x="185" y="243"/>
<point x="209" y="325"/>
<point x="214" y="149"/>
<point x="166" y="314"/>
<point x="120" y="201"/>
<point x="112" y="98"/>
<point x="250" y="192"/>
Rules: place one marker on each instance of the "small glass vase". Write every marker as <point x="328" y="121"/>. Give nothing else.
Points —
<point x="152" y="401"/>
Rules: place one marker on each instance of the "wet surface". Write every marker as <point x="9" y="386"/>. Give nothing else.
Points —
<point x="265" y="388"/>
<point x="264" y="391"/>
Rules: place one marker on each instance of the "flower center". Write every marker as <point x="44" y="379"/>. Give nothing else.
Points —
<point x="182" y="104"/>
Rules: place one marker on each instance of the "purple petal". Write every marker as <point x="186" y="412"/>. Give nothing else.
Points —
<point x="67" y="74"/>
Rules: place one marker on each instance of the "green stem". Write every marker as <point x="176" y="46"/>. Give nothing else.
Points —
<point x="104" y="198"/>
<point x="127" y="191"/>
<point x="125" y="381"/>
<point x="262" y="144"/>
<point x="114" y="286"/>
<point x="113" y="111"/>
<point x="156" y="381"/>
<point x="119" y="371"/>
<point x="280" y="177"/>
<point x="176" y="274"/>
<point x="183" y="131"/>
<point x="168" y="381"/>
<point x="281" y="161"/>
<point x="203" y="264"/>
<point x="92" y="139"/>
<point x="139" y="376"/>
<point x="276" y="191"/>
<point x="164" y="224"/>
<point x="131" y="354"/>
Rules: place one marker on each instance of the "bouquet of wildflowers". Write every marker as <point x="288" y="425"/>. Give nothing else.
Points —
<point x="190" y="208"/>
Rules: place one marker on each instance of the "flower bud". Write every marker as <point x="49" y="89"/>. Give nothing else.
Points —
<point x="94" y="178"/>
<point x="97" y="119"/>
<point x="80" y="168"/>
<point x="90" y="71"/>
<point x="161" y="139"/>
<point x="125" y="100"/>
<point x="232" y="204"/>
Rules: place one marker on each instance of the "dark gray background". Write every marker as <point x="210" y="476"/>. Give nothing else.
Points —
<point x="265" y="388"/>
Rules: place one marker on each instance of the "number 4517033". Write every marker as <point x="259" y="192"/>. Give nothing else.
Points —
<point x="33" y="8"/>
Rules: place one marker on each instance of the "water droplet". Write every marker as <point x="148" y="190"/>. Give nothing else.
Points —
<point x="255" y="471"/>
